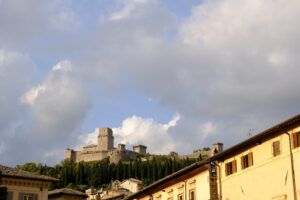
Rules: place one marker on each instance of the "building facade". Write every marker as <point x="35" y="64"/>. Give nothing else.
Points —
<point x="266" y="166"/>
<point x="66" y="194"/>
<point x="23" y="185"/>
<point x="105" y="148"/>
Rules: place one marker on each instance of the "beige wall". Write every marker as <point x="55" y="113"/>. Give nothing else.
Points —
<point x="130" y="185"/>
<point x="269" y="178"/>
<point x="42" y="195"/>
<point x="198" y="182"/>
<point x="66" y="197"/>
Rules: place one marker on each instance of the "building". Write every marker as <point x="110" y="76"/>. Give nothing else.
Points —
<point x="133" y="185"/>
<point x="23" y="185"/>
<point x="265" y="166"/>
<point x="105" y="148"/>
<point x="66" y="194"/>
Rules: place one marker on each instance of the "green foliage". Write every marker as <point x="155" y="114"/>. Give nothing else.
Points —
<point x="173" y="154"/>
<point x="206" y="149"/>
<point x="82" y="175"/>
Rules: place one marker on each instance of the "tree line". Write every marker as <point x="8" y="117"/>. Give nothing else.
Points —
<point x="84" y="175"/>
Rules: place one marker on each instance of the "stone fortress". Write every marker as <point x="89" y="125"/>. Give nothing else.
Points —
<point x="105" y="148"/>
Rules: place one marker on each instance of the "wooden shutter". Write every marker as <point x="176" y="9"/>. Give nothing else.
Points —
<point x="250" y="159"/>
<point x="10" y="196"/>
<point x="295" y="142"/>
<point x="276" y="148"/>
<point x="226" y="169"/>
<point x="21" y="196"/>
<point x="242" y="162"/>
<point x="234" y="166"/>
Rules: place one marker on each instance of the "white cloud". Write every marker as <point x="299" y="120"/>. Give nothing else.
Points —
<point x="137" y="130"/>
<point x="129" y="6"/>
<point x="60" y="104"/>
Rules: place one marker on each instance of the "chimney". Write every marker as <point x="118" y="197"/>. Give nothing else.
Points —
<point x="217" y="147"/>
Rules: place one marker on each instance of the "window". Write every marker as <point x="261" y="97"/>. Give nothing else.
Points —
<point x="26" y="196"/>
<point x="276" y="148"/>
<point x="192" y="194"/>
<point x="247" y="160"/>
<point x="180" y="197"/>
<point x="230" y="168"/>
<point x="296" y="139"/>
<point x="9" y="196"/>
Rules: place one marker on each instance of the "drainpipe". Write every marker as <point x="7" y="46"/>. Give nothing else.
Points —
<point x="220" y="182"/>
<point x="292" y="165"/>
<point x="185" y="194"/>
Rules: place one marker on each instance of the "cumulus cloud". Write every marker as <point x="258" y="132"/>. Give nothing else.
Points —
<point x="128" y="7"/>
<point x="60" y="104"/>
<point x="13" y="83"/>
<point x="224" y="68"/>
<point x="137" y="130"/>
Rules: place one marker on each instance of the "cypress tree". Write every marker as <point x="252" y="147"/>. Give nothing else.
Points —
<point x="136" y="170"/>
<point x="130" y="170"/>
<point x="148" y="170"/>
<point x="154" y="170"/>
<point x="159" y="173"/>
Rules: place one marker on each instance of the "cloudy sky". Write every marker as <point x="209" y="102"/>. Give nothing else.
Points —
<point x="174" y="75"/>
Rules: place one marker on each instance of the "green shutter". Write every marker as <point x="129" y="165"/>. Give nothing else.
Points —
<point x="36" y="197"/>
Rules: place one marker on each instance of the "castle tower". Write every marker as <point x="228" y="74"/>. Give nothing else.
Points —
<point x="105" y="139"/>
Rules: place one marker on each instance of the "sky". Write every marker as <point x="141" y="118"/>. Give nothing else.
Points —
<point x="174" y="75"/>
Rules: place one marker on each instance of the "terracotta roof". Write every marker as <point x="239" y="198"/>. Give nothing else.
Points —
<point x="17" y="173"/>
<point x="67" y="191"/>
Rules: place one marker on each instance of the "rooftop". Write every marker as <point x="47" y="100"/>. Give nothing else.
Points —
<point x="17" y="173"/>
<point x="67" y="191"/>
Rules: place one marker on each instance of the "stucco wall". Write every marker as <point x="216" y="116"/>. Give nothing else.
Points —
<point x="66" y="197"/>
<point x="42" y="195"/>
<point x="131" y="186"/>
<point x="198" y="182"/>
<point x="269" y="178"/>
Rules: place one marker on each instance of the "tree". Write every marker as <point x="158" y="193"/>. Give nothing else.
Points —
<point x="206" y="149"/>
<point x="173" y="154"/>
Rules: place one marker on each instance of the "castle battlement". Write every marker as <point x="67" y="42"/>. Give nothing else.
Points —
<point x="105" y="148"/>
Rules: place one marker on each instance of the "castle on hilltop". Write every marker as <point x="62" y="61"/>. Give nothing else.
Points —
<point x="105" y="148"/>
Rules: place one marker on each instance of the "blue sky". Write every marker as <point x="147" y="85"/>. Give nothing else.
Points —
<point x="173" y="75"/>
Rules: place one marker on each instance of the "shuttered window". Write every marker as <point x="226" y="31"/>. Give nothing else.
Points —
<point x="296" y="139"/>
<point x="276" y="148"/>
<point x="247" y="160"/>
<point x="192" y="195"/>
<point x="10" y="196"/>
<point x="180" y="197"/>
<point x="230" y="168"/>
<point x="26" y="196"/>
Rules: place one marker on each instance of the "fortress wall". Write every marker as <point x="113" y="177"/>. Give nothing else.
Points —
<point x="92" y="148"/>
<point x="77" y="156"/>
<point x="132" y="155"/>
<point x="94" y="156"/>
